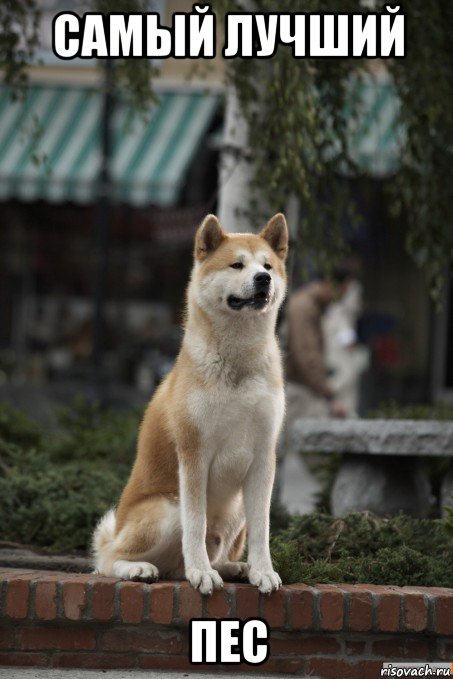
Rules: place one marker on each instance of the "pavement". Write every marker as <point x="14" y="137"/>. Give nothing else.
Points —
<point x="32" y="673"/>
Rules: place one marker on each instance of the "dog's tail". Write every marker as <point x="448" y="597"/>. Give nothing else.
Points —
<point x="103" y="537"/>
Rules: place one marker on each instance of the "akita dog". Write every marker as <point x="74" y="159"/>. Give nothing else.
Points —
<point x="205" y="462"/>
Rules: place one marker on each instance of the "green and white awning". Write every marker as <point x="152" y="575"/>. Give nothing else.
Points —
<point x="50" y="142"/>
<point x="375" y="135"/>
<point x="50" y="145"/>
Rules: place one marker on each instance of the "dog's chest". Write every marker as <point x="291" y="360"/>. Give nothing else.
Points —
<point x="224" y="413"/>
<point x="233" y="424"/>
<point x="229" y="441"/>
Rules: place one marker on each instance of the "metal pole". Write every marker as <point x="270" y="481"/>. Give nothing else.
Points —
<point x="101" y="227"/>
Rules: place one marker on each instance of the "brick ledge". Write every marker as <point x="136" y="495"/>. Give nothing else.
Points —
<point x="69" y="620"/>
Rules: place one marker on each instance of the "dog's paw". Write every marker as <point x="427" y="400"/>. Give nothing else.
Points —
<point x="204" y="580"/>
<point x="136" y="570"/>
<point x="266" y="581"/>
<point x="234" y="569"/>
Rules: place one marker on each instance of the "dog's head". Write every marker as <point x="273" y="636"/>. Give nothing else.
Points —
<point x="240" y="273"/>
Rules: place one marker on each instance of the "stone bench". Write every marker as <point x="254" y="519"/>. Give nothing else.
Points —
<point x="380" y="470"/>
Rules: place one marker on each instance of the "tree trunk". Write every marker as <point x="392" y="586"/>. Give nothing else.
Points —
<point x="236" y="168"/>
<point x="236" y="162"/>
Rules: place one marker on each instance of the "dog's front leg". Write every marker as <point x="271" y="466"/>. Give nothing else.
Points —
<point x="257" y="501"/>
<point x="193" y="488"/>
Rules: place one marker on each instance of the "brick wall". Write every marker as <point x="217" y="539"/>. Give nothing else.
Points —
<point x="332" y="631"/>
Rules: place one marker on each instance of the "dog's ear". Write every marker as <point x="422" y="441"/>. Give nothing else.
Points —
<point x="276" y="234"/>
<point x="209" y="236"/>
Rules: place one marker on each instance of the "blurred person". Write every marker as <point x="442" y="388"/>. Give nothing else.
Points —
<point x="310" y="393"/>
<point x="346" y="358"/>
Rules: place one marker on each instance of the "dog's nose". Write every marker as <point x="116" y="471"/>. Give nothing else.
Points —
<point x="262" y="279"/>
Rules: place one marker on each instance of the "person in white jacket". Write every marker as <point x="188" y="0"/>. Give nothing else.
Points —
<point x="346" y="359"/>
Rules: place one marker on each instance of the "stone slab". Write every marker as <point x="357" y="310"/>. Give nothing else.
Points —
<point x="374" y="437"/>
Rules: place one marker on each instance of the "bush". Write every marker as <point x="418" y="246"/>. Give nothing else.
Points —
<point x="391" y="410"/>
<point x="53" y="489"/>
<point x="361" y="547"/>
<point x="91" y="433"/>
<point x="18" y="428"/>
<point x="54" y="506"/>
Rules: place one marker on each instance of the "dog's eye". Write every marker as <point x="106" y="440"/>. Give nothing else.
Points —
<point x="268" y="267"/>
<point x="237" y="265"/>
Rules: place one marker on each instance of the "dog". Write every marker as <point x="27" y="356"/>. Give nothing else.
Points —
<point x="205" y="463"/>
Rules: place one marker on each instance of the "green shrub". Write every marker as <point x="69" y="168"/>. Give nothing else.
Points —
<point x="53" y="506"/>
<point x="53" y="489"/>
<point x="364" y="548"/>
<point x="15" y="427"/>
<point x="280" y="517"/>
<point x="391" y="410"/>
<point x="90" y="432"/>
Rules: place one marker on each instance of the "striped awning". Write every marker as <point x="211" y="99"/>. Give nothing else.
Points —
<point x="375" y="135"/>
<point x="50" y="145"/>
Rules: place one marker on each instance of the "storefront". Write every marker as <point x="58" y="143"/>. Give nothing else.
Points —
<point x="163" y="173"/>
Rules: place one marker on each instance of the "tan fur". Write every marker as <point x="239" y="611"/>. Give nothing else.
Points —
<point x="238" y="546"/>
<point x="206" y="449"/>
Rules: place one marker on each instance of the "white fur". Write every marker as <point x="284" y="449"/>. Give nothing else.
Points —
<point x="166" y="552"/>
<point x="239" y="415"/>
<point x="103" y="537"/>
<point x="135" y="570"/>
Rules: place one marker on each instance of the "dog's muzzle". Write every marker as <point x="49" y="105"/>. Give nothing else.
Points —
<point x="260" y="298"/>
